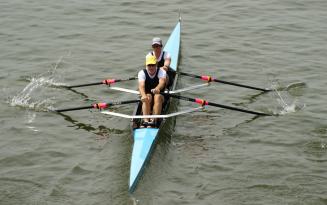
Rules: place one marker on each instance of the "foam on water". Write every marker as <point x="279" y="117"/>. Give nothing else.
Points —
<point x="35" y="95"/>
<point x="287" y="103"/>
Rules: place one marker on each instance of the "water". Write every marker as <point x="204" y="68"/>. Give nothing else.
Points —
<point x="213" y="157"/>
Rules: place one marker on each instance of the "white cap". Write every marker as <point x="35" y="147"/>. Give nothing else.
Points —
<point x="156" y="40"/>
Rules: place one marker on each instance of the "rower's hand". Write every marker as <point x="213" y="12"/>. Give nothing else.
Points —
<point x="144" y="98"/>
<point x="164" y="68"/>
<point x="155" y="91"/>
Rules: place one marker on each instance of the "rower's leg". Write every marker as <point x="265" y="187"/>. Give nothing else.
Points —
<point x="157" y="106"/>
<point x="146" y="107"/>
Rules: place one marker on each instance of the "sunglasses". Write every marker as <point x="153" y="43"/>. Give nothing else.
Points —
<point x="156" y="46"/>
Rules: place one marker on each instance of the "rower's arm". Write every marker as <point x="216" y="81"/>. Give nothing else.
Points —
<point x="166" y="64"/>
<point x="162" y="84"/>
<point x="142" y="88"/>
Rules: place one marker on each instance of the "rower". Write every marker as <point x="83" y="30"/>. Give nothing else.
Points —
<point x="163" y="57"/>
<point x="152" y="81"/>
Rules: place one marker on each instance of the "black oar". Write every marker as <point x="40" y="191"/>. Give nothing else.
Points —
<point x="106" y="82"/>
<point x="210" y="79"/>
<point x="204" y="102"/>
<point x="98" y="105"/>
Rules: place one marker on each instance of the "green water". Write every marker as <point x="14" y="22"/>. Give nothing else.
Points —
<point x="214" y="157"/>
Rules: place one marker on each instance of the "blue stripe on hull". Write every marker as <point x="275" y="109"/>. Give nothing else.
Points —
<point x="143" y="143"/>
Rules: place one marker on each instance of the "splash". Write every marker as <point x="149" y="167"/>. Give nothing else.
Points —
<point x="25" y="97"/>
<point x="287" y="103"/>
<point x="49" y="78"/>
<point x="49" y="81"/>
<point x="289" y="108"/>
<point x="35" y="95"/>
<point x="275" y="85"/>
<point x="323" y="146"/>
<point x="30" y="119"/>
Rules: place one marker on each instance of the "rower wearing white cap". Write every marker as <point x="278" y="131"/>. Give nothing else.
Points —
<point x="163" y="57"/>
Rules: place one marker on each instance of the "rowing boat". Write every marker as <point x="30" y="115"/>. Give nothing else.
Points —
<point x="144" y="139"/>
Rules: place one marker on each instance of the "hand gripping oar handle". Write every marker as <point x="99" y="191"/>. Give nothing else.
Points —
<point x="106" y="82"/>
<point x="204" y="102"/>
<point x="98" y="105"/>
<point x="210" y="79"/>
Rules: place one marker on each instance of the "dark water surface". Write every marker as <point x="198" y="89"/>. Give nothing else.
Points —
<point x="214" y="157"/>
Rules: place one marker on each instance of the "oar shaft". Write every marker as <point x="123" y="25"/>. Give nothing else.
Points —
<point x="190" y="75"/>
<point x="203" y="102"/>
<point x="98" y="105"/>
<point x="240" y="85"/>
<point x="238" y="109"/>
<point x="84" y="85"/>
<point x="106" y="82"/>
<point x="123" y="102"/>
<point x="208" y="78"/>
<point x="75" y="108"/>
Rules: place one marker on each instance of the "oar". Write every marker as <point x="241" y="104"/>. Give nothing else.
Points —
<point x="210" y="79"/>
<point x="204" y="102"/>
<point x="97" y="105"/>
<point x="106" y="82"/>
